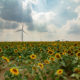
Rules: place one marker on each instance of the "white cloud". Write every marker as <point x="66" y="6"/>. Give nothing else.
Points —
<point x="76" y="1"/>
<point x="26" y="2"/>
<point x="71" y="30"/>
<point x="43" y="17"/>
<point x="77" y="10"/>
<point x="52" y="28"/>
<point x="62" y="1"/>
<point x="69" y="8"/>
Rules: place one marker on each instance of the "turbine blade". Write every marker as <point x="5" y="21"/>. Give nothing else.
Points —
<point x="25" y="32"/>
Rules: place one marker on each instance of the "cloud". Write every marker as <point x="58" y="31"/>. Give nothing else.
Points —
<point x="77" y="10"/>
<point x="76" y="1"/>
<point x="72" y="26"/>
<point x="42" y="19"/>
<point x="8" y="25"/>
<point x="71" y="30"/>
<point x="10" y="35"/>
<point x="12" y="10"/>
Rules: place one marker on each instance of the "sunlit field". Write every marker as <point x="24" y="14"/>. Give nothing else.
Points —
<point x="40" y="60"/>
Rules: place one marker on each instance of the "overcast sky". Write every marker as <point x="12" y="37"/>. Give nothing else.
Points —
<point x="42" y="20"/>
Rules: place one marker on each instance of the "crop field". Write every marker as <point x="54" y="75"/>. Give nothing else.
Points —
<point x="40" y="60"/>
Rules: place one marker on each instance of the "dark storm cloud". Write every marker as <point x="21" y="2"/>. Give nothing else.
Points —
<point x="28" y="18"/>
<point x="8" y="25"/>
<point x="12" y="10"/>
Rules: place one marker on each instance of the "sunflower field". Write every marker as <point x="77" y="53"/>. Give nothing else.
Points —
<point x="40" y="60"/>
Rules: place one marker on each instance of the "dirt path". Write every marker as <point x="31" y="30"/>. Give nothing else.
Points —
<point x="2" y="74"/>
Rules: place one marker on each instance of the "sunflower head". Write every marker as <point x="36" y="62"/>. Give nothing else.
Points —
<point x="15" y="51"/>
<point x="34" y="68"/>
<point x="77" y="70"/>
<point x="14" y="71"/>
<point x="59" y="71"/>
<point x="69" y="52"/>
<point x="49" y="48"/>
<point x="52" y="58"/>
<point x="50" y="52"/>
<point x="58" y="56"/>
<point x="63" y="53"/>
<point x="33" y="56"/>
<point x="5" y="58"/>
<point x="41" y="49"/>
<point x="78" y="54"/>
<point x="6" y="47"/>
<point x="46" y="61"/>
<point x="24" y="45"/>
<point x="23" y="48"/>
<point x="19" y="57"/>
<point x="40" y="65"/>
<point x="0" y="50"/>
<point x="76" y="51"/>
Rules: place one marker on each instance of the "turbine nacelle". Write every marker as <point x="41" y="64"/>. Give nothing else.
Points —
<point x="21" y="30"/>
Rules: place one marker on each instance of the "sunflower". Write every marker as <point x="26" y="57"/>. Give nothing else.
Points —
<point x="34" y="68"/>
<point x="58" y="56"/>
<point x="40" y="65"/>
<point x="63" y="53"/>
<point x="50" y="52"/>
<point x="15" y="51"/>
<point x="78" y="54"/>
<point x="52" y="58"/>
<point x="75" y="44"/>
<point x="46" y="62"/>
<point x="69" y="52"/>
<point x="14" y="71"/>
<point x="76" y="51"/>
<point x="24" y="45"/>
<point x="49" y="48"/>
<point x="5" y="58"/>
<point x="6" y="47"/>
<point x="41" y="49"/>
<point x="59" y="71"/>
<point x="19" y="57"/>
<point x="77" y="70"/>
<point x="33" y="56"/>
<point x="23" y="48"/>
<point x="0" y="50"/>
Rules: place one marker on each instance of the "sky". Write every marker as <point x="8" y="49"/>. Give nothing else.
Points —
<point x="43" y="20"/>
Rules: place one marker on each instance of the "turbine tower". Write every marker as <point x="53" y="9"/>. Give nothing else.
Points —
<point x="22" y="32"/>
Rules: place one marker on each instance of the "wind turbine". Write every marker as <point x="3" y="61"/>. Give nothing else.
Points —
<point x="22" y="32"/>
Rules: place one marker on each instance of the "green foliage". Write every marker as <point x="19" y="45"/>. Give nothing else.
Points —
<point x="21" y="60"/>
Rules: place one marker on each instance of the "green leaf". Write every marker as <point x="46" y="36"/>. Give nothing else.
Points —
<point x="7" y="79"/>
<point x="6" y="73"/>
<point x="37" y="77"/>
<point x="25" y="78"/>
<point x="44" y="78"/>
<point x="57" y="78"/>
